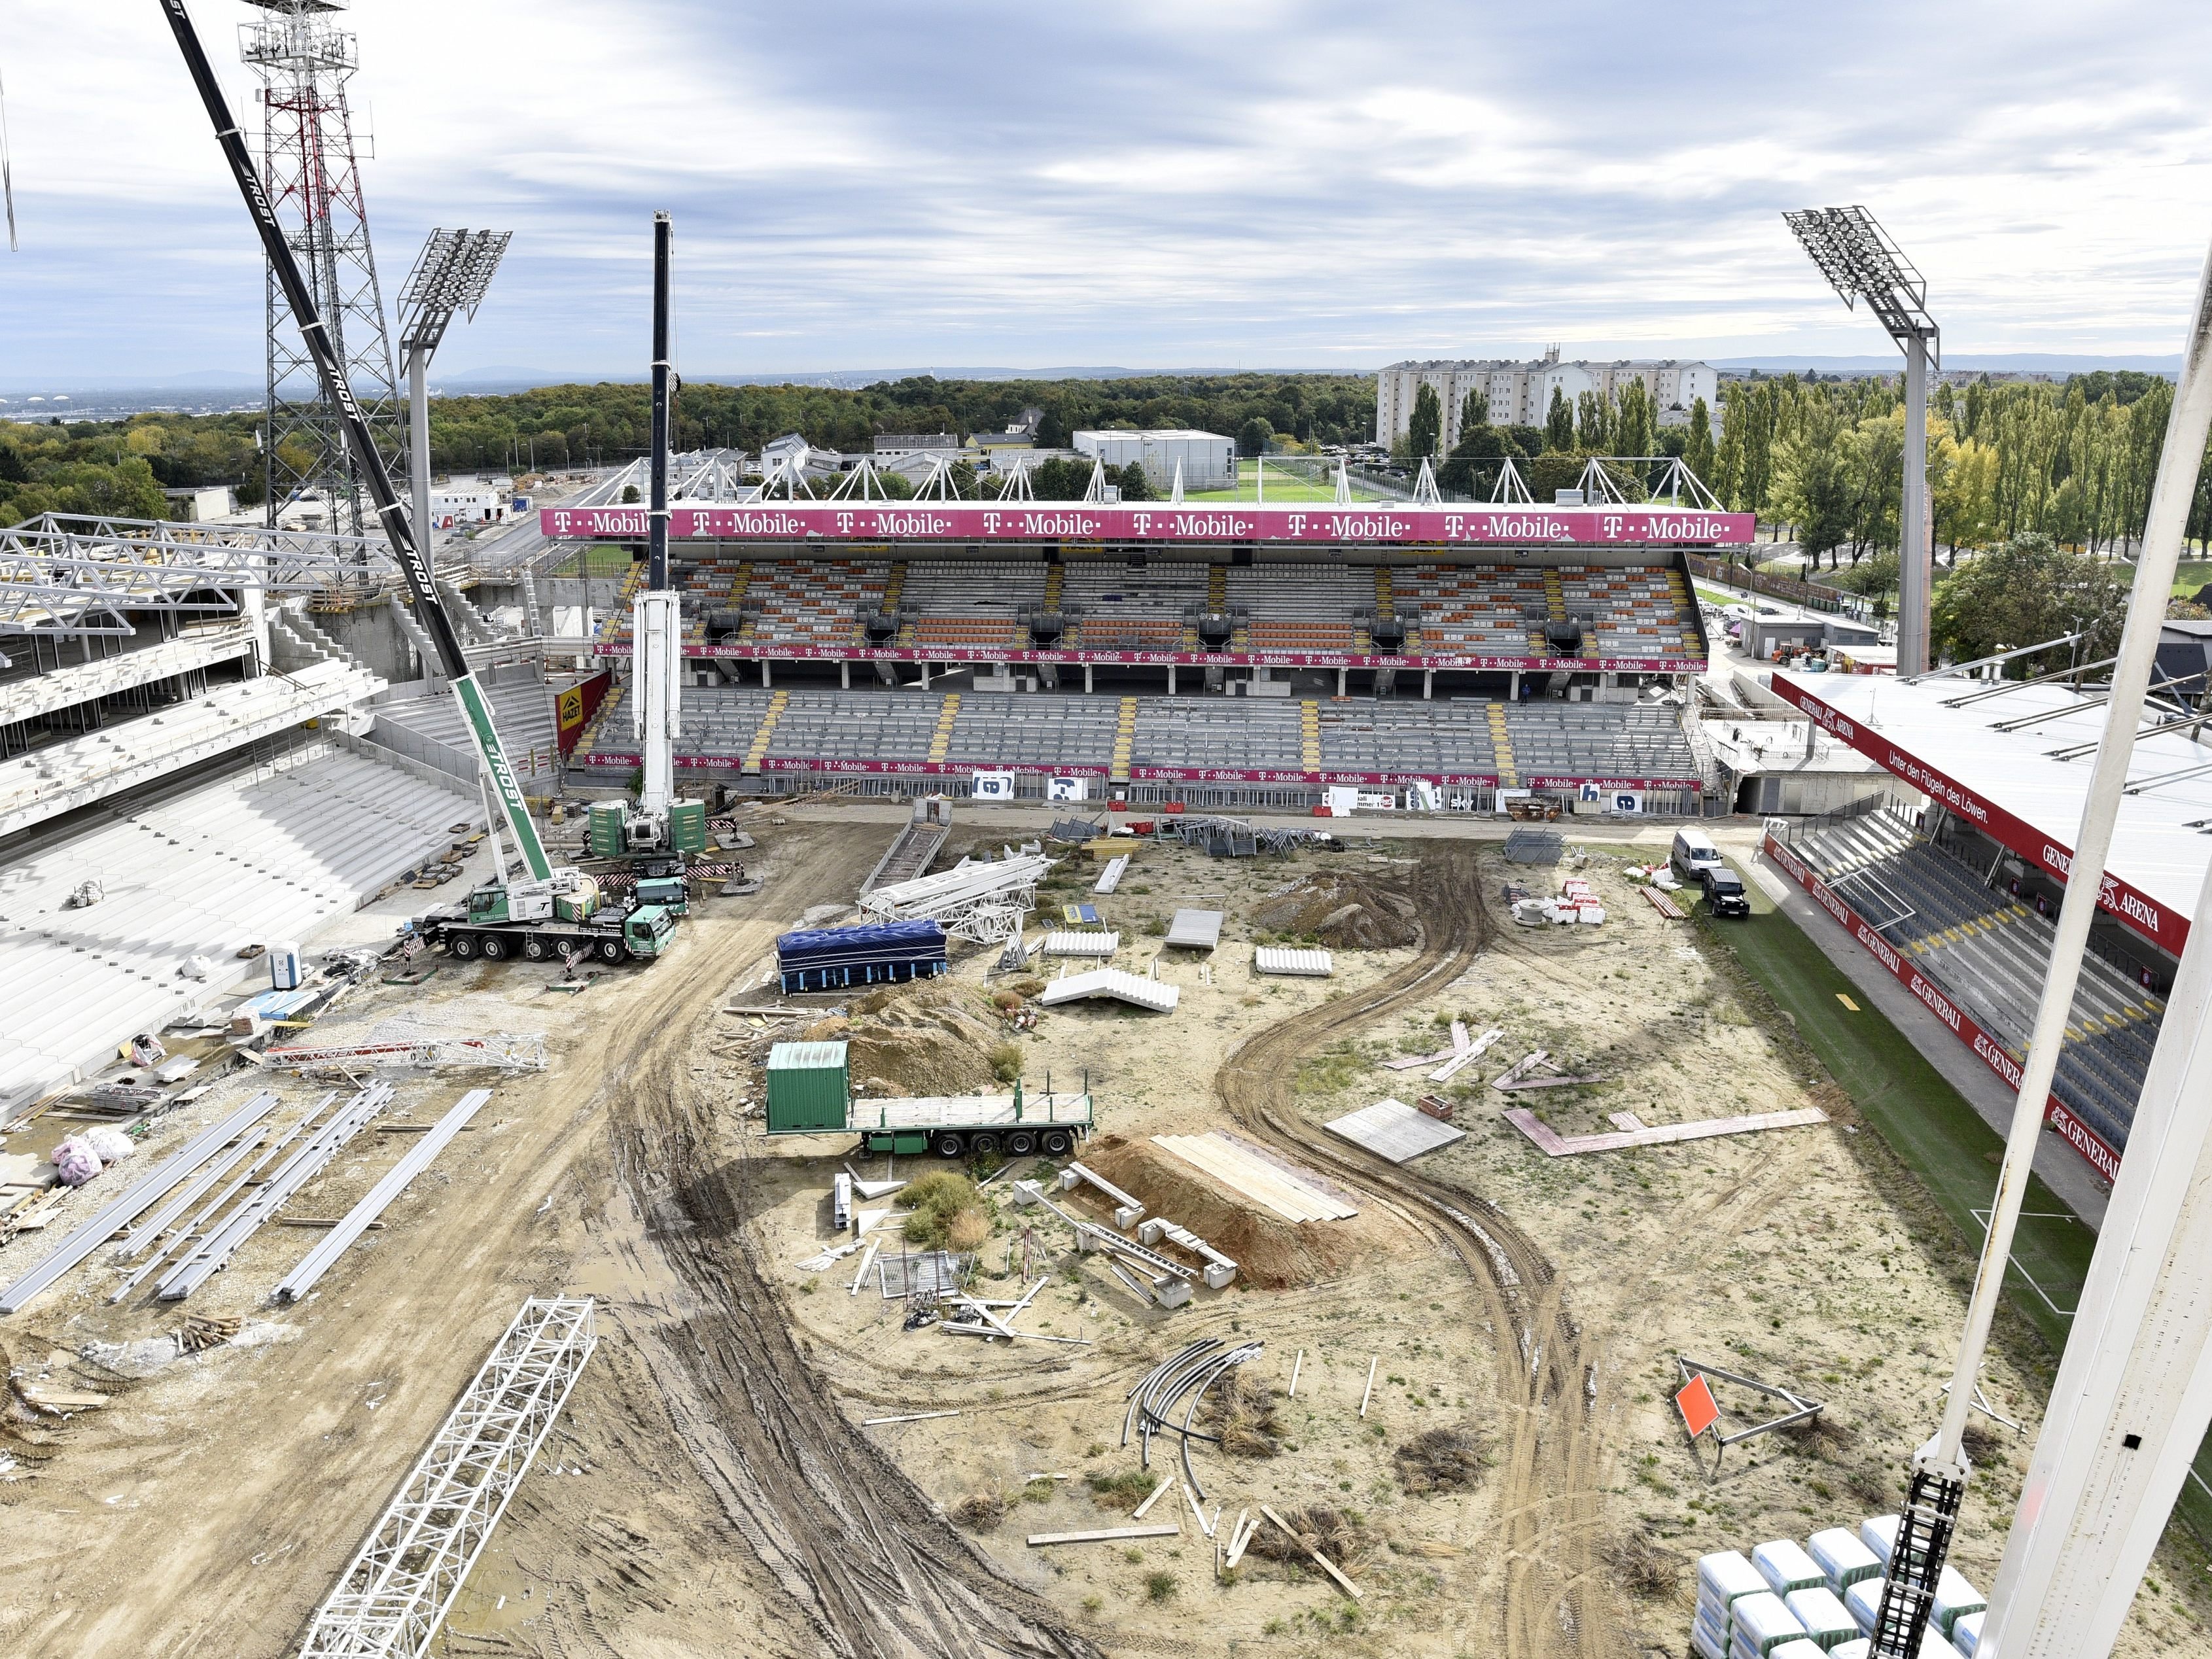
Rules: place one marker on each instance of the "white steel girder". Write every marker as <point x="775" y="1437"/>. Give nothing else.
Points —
<point x="396" y="1592"/>
<point x="983" y="902"/>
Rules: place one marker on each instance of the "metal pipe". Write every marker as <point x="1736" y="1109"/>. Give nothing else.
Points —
<point x="2171" y="498"/>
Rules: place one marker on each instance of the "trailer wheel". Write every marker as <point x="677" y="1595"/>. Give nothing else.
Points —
<point x="463" y="946"/>
<point x="1020" y="1144"/>
<point x="984" y="1145"/>
<point x="1058" y="1143"/>
<point x="946" y="1145"/>
<point x="534" y="948"/>
<point x="495" y="948"/>
<point x="612" y="950"/>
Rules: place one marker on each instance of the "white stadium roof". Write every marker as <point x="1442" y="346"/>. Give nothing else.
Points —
<point x="2014" y="763"/>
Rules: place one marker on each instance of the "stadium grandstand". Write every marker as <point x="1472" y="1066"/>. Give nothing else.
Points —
<point x="193" y="763"/>
<point x="1957" y="898"/>
<point x="1247" y="654"/>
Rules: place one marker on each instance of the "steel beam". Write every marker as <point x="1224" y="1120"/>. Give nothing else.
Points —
<point x="335" y="1243"/>
<point x="119" y="1214"/>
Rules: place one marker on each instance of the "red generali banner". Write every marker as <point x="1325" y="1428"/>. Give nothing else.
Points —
<point x="2091" y="1146"/>
<point x="2164" y="926"/>
<point x="971" y="521"/>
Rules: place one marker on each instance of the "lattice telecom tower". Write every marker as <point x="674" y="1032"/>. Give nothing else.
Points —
<point x="314" y="181"/>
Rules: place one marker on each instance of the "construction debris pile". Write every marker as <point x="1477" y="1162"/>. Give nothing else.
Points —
<point x="1341" y="910"/>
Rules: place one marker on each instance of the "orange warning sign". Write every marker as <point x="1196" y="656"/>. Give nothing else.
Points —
<point x="1700" y="1411"/>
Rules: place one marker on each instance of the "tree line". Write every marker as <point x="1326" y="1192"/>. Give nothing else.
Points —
<point x="2073" y="463"/>
<point x="121" y="467"/>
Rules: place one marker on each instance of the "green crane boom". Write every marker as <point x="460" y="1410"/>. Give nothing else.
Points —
<point x="414" y="562"/>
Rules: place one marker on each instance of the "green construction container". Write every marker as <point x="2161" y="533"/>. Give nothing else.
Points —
<point x="606" y="829"/>
<point x="808" y="1088"/>
<point x="687" y="825"/>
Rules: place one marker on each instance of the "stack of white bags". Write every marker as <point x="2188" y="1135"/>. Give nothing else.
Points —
<point x="1790" y="1602"/>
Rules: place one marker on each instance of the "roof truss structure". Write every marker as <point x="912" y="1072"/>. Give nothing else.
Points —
<point x="65" y="576"/>
<point x="397" y="1591"/>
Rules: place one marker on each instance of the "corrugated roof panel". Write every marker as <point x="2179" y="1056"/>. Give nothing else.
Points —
<point x="805" y="1056"/>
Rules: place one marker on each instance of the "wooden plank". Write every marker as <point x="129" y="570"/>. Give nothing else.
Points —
<point x="1286" y="1198"/>
<point x="1370" y="1392"/>
<point x="1322" y="1561"/>
<point x="910" y="1417"/>
<point x="1263" y="1183"/>
<point x="1554" y="1145"/>
<point x="1393" y="1130"/>
<point x="1151" y="1498"/>
<point x="1197" y="1514"/>
<point x="1200" y="1154"/>
<point x="1111" y="1534"/>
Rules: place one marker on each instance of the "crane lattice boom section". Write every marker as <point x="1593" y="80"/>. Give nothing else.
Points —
<point x="391" y="1598"/>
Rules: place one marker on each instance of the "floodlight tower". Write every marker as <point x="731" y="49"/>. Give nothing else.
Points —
<point x="1861" y="263"/>
<point x="311" y="174"/>
<point x="449" y="279"/>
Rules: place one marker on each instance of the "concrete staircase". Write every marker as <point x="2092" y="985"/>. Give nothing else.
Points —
<point x="1501" y="742"/>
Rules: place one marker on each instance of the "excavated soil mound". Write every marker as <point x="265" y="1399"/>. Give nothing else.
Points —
<point x="932" y="1037"/>
<point x="1344" y="911"/>
<point x="1270" y="1253"/>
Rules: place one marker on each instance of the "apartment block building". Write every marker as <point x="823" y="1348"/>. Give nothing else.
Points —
<point x="1520" y="393"/>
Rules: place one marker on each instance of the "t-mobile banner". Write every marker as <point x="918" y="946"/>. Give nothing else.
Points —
<point x="2164" y="928"/>
<point x="969" y="521"/>
<point x="1992" y="1054"/>
<point x="975" y="654"/>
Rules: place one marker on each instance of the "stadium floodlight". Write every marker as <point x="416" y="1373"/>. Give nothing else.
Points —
<point x="450" y="277"/>
<point x="1856" y="256"/>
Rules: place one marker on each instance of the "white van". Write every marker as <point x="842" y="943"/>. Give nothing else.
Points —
<point x="1694" y="853"/>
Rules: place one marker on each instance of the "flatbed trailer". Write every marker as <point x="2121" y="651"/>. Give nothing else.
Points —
<point x="960" y="1125"/>
<point x="810" y="1093"/>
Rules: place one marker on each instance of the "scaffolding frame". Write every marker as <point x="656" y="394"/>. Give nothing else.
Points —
<point x="397" y="1591"/>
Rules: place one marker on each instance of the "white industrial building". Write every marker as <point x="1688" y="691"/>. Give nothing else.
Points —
<point x="201" y="503"/>
<point x="1208" y="461"/>
<point x="1520" y="393"/>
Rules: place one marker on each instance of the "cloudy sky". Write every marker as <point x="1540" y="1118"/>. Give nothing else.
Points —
<point x="1149" y="184"/>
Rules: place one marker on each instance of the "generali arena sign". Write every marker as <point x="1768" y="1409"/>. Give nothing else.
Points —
<point x="2164" y="926"/>
<point x="971" y="521"/>
<point x="2101" y="1157"/>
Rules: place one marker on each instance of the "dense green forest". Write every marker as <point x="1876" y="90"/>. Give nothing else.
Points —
<point x="2075" y="462"/>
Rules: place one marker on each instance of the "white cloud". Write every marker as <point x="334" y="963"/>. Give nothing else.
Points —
<point x="864" y="184"/>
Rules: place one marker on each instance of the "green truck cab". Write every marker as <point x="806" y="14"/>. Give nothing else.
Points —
<point x="646" y="930"/>
<point x="671" y="893"/>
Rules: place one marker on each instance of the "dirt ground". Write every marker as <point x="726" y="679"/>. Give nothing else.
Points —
<point x="709" y="1488"/>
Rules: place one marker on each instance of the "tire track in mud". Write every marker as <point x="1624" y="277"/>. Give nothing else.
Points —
<point x="1549" y="1499"/>
<point x="855" y="1549"/>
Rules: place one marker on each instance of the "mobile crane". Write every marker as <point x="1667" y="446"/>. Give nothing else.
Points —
<point x="557" y="910"/>
<point x="660" y="829"/>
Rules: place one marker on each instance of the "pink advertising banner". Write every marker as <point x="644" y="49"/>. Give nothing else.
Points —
<point x="619" y="761"/>
<point x="971" y="521"/>
<point x="973" y="653"/>
<point x="2099" y="1156"/>
<point x="2163" y="927"/>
